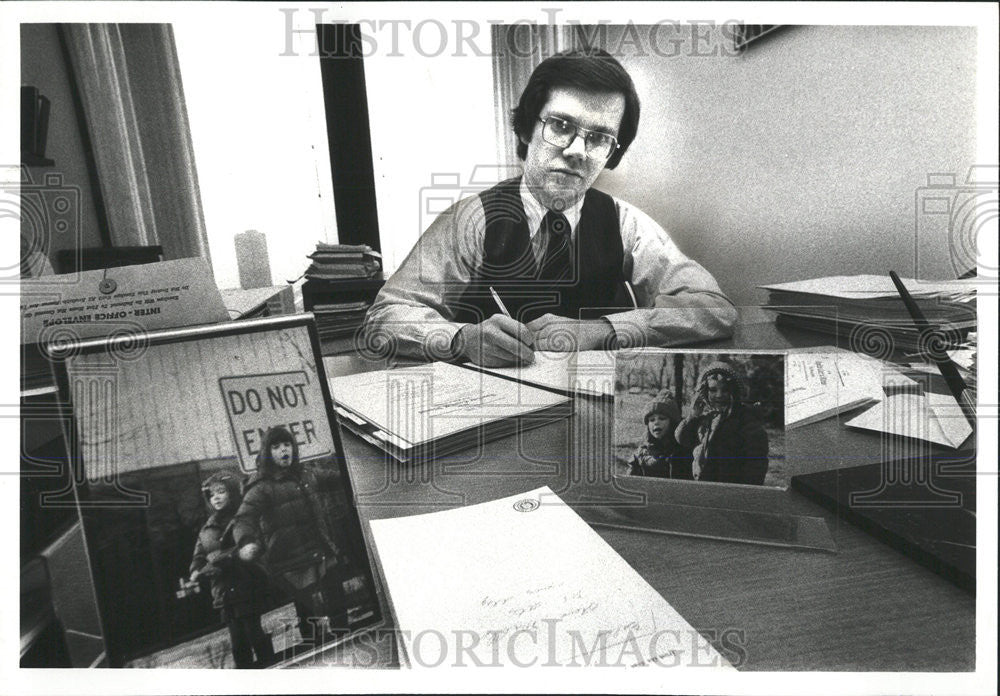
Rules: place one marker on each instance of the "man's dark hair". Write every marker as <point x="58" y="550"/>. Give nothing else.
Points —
<point x="593" y="70"/>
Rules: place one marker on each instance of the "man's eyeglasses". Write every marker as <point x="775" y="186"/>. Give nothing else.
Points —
<point x="561" y="133"/>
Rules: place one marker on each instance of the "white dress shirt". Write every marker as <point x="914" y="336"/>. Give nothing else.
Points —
<point x="679" y="301"/>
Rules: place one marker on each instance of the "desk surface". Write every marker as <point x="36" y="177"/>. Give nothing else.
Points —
<point x="865" y="608"/>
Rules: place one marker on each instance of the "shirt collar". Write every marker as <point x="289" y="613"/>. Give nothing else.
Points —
<point x="535" y="211"/>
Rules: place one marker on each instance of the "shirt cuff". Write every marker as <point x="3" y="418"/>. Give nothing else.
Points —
<point x="630" y="329"/>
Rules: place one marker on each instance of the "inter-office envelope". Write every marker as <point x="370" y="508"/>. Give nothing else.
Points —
<point x="524" y="581"/>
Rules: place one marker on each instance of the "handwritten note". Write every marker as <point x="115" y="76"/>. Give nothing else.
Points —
<point x="523" y="581"/>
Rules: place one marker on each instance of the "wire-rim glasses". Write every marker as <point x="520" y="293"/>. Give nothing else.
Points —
<point x="561" y="133"/>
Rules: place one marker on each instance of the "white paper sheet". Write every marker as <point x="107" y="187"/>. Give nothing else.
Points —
<point x="932" y="417"/>
<point x="820" y="385"/>
<point x="870" y="287"/>
<point x="523" y="581"/>
<point x="426" y="402"/>
<point x="585" y="372"/>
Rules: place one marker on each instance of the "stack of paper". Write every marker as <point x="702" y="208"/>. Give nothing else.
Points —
<point x="524" y="581"/>
<point x="830" y="381"/>
<point x="868" y="307"/>
<point x="430" y="410"/>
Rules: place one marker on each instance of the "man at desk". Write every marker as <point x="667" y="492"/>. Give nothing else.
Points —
<point x="515" y="268"/>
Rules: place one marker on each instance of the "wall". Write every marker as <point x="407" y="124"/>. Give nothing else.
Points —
<point x="42" y="66"/>
<point x="432" y="121"/>
<point x="802" y="156"/>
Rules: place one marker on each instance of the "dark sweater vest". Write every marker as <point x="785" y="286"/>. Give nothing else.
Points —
<point x="595" y="280"/>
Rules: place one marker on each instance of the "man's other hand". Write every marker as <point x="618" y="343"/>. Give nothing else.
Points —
<point x="561" y="334"/>
<point x="495" y="342"/>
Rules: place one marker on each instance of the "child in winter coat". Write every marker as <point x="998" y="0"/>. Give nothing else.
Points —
<point x="661" y="455"/>
<point x="284" y="523"/>
<point x="237" y="588"/>
<point x="727" y="437"/>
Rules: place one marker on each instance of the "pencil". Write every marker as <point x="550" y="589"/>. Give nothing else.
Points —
<point x="496" y="298"/>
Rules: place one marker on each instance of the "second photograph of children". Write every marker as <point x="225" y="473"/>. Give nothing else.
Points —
<point x="696" y="416"/>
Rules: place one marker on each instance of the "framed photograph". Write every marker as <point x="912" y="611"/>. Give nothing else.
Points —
<point x="701" y="416"/>
<point x="745" y="34"/>
<point x="214" y="496"/>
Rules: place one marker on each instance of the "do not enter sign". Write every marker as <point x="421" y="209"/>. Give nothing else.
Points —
<point x="256" y="403"/>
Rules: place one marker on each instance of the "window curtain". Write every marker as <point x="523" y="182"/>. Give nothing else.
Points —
<point x="130" y="87"/>
<point x="517" y="51"/>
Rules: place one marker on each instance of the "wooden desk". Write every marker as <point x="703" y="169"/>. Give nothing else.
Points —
<point x="866" y="608"/>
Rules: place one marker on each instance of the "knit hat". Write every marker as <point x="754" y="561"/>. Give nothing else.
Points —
<point x="665" y="405"/>
<point x="726" y="371"/>
<point x="229" y="480"/>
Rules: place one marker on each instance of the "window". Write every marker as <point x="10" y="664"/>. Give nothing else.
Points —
<point x="259" y="134"/>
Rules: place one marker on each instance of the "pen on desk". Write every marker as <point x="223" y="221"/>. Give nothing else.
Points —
<point x="496" y="298"/>
<point x="956" y="385"/>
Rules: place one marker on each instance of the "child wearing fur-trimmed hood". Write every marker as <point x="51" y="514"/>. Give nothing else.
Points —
<point x="727" y="437"/>
<point x="238" y="589"/>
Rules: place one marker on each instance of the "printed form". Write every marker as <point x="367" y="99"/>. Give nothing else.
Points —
<point x="524" y="581"/>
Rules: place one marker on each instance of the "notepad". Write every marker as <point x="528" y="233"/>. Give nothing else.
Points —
<point x="523" y="581"/>
<point x="418" y="412"/>
<point x="590" y="372"/>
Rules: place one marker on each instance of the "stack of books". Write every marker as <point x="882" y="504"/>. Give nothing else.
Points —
<point x="868" y="312"/>
<point x="339" y="268"/>
<point x="339" y="319"/>
<point x="343" y="262"/>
